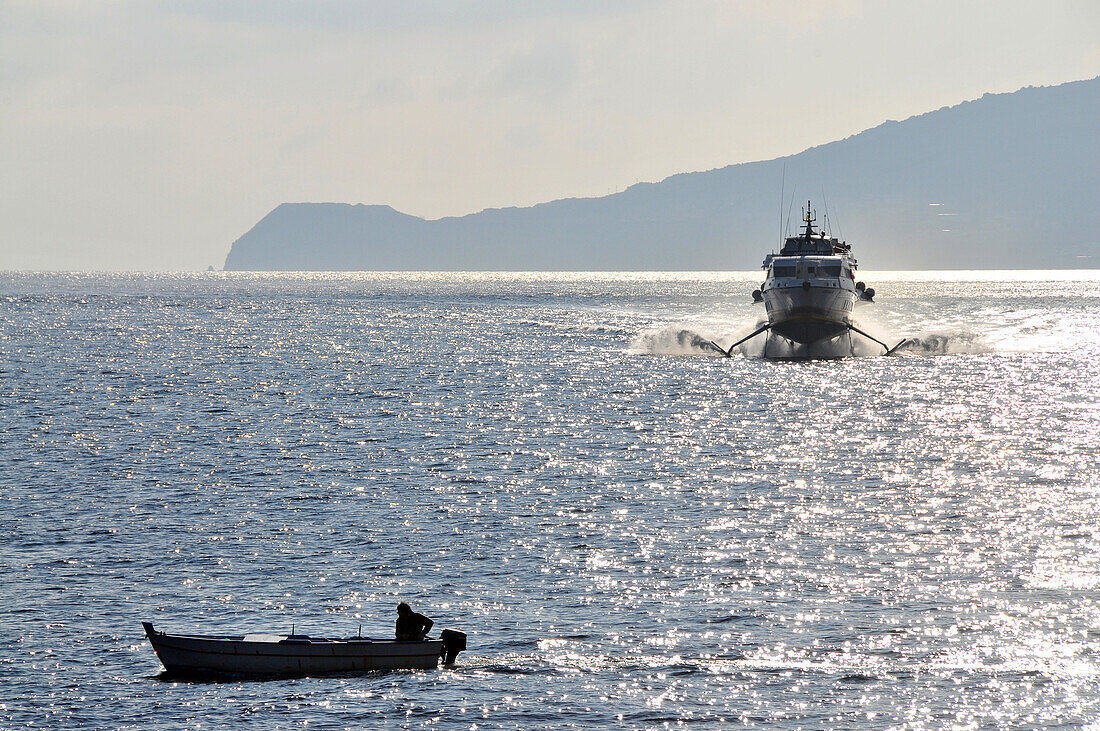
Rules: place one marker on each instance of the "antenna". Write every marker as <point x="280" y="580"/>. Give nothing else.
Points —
<point x="826" y="202"/>
<point x="782" y="194"/>
<point x="839" y="228"/>
<point x="791" y="208"/>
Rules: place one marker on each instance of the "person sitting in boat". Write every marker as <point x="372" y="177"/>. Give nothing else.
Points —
<point x="411" y="625"/>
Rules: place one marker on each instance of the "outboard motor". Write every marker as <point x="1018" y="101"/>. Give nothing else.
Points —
<point x="757" y="296"/>
<point x="869" y="294"/>
<point x="860" y="286"/>
<point x="454" y="642"/>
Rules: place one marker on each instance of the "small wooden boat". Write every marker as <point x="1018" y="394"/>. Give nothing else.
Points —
<point x="266" y="654"/>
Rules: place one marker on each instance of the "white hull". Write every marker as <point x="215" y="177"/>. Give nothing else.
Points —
<point x="808" y="314"/>
<point x="272" y="655"/>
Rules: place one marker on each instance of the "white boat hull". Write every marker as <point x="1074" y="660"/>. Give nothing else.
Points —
<point x="808" y="314"/>
<point x="240" y="655"/>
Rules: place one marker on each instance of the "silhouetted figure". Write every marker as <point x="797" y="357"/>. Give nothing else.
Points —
<point x="410" y="624"/>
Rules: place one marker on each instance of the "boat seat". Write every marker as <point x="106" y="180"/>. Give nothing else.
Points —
<point x="264" y="638"/>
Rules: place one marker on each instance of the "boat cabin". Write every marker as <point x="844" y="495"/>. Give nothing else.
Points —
<point x="812" y="242"/>
<point x="811" y="255"/>
<point x="820" y="244"/>
<point x="809" y="267"/>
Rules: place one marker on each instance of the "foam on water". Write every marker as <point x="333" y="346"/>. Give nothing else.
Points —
<point x="1038" y="333"/>
<point x="690" y="340"/>
<point x="674" y="340"/>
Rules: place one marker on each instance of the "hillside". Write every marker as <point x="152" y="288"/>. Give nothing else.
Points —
<point x="1005" y="181"/>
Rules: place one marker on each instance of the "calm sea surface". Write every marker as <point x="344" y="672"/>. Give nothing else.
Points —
<point x="633" y="532"/>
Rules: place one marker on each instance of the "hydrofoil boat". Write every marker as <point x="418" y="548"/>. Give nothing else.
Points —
<point x="810" y="292"/>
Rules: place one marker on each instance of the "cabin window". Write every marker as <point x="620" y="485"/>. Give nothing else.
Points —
<point x="832" y="270"/>
<point x="784" y="271"/>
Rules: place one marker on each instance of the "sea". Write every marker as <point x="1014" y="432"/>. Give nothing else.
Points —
<point x="634" y="530"/>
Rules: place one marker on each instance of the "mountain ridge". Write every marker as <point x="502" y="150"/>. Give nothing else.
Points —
<point x="1007" y="173"/>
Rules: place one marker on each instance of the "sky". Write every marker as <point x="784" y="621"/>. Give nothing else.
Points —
<point x="151" y="135"/>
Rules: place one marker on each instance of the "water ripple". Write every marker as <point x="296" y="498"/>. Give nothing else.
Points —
<point x="631" y="537"/>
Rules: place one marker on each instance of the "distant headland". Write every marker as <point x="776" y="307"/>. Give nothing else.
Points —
<point x="1007" y="181"/>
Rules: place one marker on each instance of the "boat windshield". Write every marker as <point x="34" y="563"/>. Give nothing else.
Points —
<point x="805" y="266"/>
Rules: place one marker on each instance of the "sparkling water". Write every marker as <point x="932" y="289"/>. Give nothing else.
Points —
<point x="633" y="530"/>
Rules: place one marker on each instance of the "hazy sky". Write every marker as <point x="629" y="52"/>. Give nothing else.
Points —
<point x="150" y="135"/>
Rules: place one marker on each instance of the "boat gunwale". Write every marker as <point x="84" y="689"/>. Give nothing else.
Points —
<point x="312" y="647"/>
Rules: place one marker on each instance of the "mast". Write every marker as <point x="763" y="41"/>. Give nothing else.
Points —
<point x="808" y="219"/>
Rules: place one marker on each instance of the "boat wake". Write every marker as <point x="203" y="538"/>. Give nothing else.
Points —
<point x="680" y="340"/>
<point x="674" y="340"/>
<point x="685" y="341"/>
<point x="946" y="343"/>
